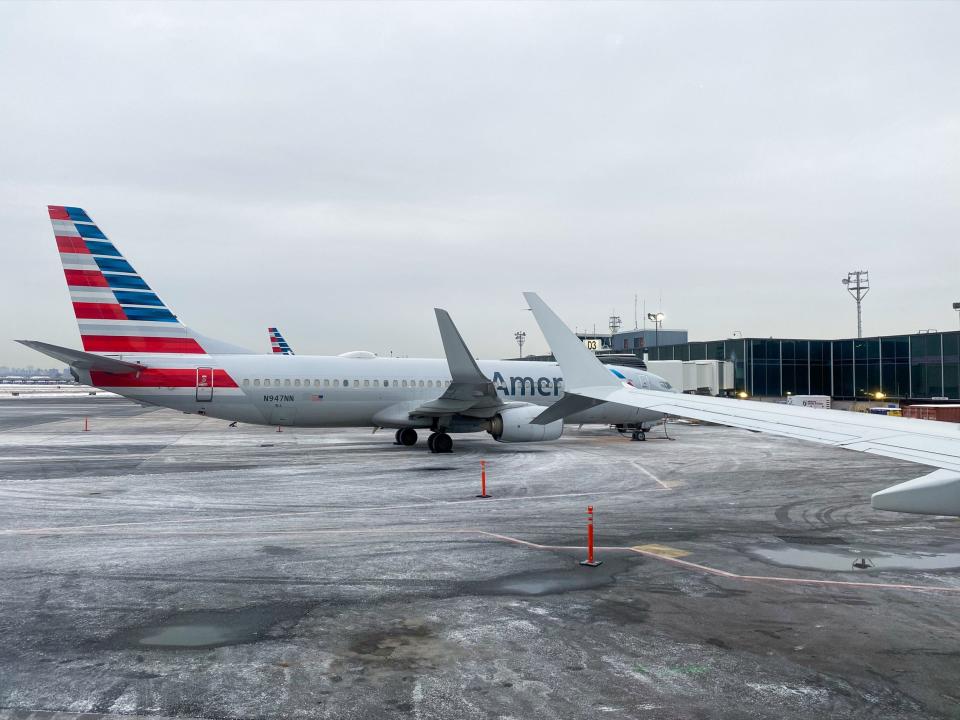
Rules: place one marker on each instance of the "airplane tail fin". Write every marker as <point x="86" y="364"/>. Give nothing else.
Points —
<point x="278" y="344"/>
<point x="116" y="310"/>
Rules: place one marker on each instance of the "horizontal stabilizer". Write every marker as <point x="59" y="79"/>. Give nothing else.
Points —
<point x="84" y="360"/>
<point x="569" y="404"/>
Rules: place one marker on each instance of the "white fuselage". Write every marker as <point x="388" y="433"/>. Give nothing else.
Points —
<point x="320" y="391"/>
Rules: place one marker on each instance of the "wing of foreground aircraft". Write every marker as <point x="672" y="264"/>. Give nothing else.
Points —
<point x="921" y="441"/>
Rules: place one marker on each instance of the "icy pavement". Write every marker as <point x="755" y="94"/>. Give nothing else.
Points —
<point x="162" y="564"/>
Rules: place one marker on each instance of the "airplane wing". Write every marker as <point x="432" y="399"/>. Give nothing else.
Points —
<point x="84" y="360"/>
<point x="471" y="394"/>
<point x="921" y="441"/>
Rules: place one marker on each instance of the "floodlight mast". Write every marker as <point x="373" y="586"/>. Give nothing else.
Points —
<point x="657" y="318"/>
<point x="857" y="283"/>
<point x="520" y="336"/>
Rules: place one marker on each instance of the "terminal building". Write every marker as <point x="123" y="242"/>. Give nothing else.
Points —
<point x="923" y="366"/>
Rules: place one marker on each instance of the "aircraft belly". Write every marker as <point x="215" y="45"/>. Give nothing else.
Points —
<point x="612" y="414"/>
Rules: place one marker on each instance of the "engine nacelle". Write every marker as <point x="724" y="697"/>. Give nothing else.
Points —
<point x="514" y="425"/>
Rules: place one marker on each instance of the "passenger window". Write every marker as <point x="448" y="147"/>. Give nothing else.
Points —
<point x="386" y="383"/>
<point x="421" y="383"/>
<point x="266" y="382"/>
<point x="326" y="383"/>
<point x="276" y="382"/>
<point x="287" y="382"/>
<point x="256" y="383"/>
<point x="346" y="383"/>
<point x="356" y="383"/>
<point x="395" y="383"/>
<point x="316" y="383"/>
<point x="296" y="382"/>
<point x="246" y="382"/>
<point x="404" y="383"/>
<point x="429" y="383"/>
<point x="366" y="383"/>
<point x="376" y="383"/>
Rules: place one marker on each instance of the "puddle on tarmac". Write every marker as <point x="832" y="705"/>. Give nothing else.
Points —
<point x="215" y="628"/>
<point x="551" y="582"/>
<point x="841" y="559"/>
<point x="188" y="636"/>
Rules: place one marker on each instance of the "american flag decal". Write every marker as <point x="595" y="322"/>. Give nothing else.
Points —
<point x="316" y="397"/>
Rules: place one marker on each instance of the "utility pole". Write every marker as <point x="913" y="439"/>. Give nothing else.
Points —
<point x="857" y="283"/>
<point x="520" y="336"/>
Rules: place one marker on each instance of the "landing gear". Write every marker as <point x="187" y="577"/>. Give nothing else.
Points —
<point x="638" y="435"/>
<point x="406" y="437"/>
<point x="440" y="442"/>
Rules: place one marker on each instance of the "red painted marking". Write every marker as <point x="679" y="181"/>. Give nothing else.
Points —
<point x="98" y="311"/>
<point x="72" y="245"/>
<point x="58" y="212"/>
<point x="85" y="278"/>
<point x="276" y="349"/>
<point x="160" y="377"/>
<point x="136" y="344"/>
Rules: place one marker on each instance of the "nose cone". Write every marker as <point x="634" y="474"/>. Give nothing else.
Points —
<point x="935" y="494"/>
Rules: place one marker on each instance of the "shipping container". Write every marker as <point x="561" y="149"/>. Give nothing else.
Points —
<point x="812" y="401"/>
<point x="943" y="413"/>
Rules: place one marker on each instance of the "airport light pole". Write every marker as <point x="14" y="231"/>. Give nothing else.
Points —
<point x="520" y="336"/>
<point x="956" y="306"/>
<point x="657" y="319"/>
<point x="857" y="283"/>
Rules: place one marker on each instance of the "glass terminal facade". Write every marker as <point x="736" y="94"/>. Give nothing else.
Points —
<point x="922" y="366"/>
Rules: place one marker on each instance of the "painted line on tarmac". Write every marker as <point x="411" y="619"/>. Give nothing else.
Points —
<point x="735" y="576"/>
<point x="639" y="550"/>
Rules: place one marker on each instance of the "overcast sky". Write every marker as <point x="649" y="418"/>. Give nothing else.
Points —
<point x="339" y="170"/>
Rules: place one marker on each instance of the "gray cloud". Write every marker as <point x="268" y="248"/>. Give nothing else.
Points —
<point x="340" y="169"/>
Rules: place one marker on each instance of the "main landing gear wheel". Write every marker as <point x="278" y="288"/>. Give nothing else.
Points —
<point x="407" y="437"/>
<point x="440" y="442"/>
<point x="638" y="435"/>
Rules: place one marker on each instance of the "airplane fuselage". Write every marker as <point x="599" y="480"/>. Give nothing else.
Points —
<point x="321" y="391"/>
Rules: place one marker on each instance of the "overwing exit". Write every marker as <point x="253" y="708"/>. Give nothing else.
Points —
<point x="927" y="442"/>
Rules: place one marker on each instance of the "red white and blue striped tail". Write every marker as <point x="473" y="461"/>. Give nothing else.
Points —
<point x="278" y="344"/>
<point x="116" y="310"/>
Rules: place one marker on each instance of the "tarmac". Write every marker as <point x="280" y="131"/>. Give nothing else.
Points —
<point x="166" y="565"/>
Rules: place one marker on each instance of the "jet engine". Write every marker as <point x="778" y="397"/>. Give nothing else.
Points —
<point x="514" y="425"/>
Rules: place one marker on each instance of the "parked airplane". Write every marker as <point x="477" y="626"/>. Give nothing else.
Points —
<point x="926" y="442"/>
<point x="278" y="344"/>
<point x="135" y="346"/>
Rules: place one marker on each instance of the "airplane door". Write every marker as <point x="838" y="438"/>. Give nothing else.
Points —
<point x="204" y="384"/>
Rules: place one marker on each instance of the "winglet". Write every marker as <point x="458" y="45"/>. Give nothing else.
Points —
<point x="463" y="368"/>
<point x="580" y="367"/>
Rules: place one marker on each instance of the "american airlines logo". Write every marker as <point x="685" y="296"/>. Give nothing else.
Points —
<point x="522" y="386"/>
